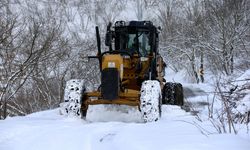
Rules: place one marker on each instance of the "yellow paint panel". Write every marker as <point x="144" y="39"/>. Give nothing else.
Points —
<point x="113" y="61"/>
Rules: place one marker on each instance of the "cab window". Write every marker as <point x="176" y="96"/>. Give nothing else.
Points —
<point x="143" y="43"/>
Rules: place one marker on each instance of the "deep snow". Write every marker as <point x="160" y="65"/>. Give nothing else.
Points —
<point x="177" y="130"/>
<point x="122" y="128"/>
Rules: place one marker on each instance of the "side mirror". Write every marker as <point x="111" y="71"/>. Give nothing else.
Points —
<point x="108" y="38"/>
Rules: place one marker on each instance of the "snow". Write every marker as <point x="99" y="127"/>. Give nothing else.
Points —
<point x="245" y="75"/>
<point x="244" y="105"/>
<point x="236" y="86"/>
<point x="175" y="131"/>
<point x="122" y="128"/>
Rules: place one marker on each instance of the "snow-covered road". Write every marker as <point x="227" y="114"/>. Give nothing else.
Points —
<point x="121" y="128"/>
<point x="114" y="128"/>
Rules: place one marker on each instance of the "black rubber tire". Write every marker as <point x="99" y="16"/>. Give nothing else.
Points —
<point x="84" y="107"/>
<point x="166" y="93"/>
<point x="160" y="106"/>
<point x="179" y="98"/>
<point x="173" y="94"/>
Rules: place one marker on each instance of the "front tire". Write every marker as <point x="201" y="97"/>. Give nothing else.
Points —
<point x="73" y="94"/>
<point x="150" y="101"/>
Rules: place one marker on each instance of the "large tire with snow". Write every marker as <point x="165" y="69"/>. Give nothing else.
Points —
<point x="173" y="94"/>
<point x="150" y="101"/>
<point x="73" y="94"/>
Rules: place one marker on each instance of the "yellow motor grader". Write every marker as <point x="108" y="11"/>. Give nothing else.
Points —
<point x="132" y="73"/>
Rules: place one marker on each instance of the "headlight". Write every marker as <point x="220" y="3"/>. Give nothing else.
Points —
<point x="111" y="64"/>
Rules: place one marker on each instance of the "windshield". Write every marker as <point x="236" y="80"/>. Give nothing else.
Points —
<point x="135" y="42"/>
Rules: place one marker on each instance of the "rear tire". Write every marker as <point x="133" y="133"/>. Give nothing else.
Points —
<point x="150" y="101"/>
<point x="173" y="94"/>
<point x="179" y="95"/>
<point x="73" y="94"/>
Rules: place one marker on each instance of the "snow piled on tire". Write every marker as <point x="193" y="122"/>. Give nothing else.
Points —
<point x="150" y="100"/>
<point x="72" y="98"/>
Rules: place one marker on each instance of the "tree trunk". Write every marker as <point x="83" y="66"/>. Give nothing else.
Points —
<point x="1" y="113"/>
<point x="231" y="60"/>
<point x="201" y="72"/>
<point x="193" y="66"/>
<point x="4" y="110"/>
